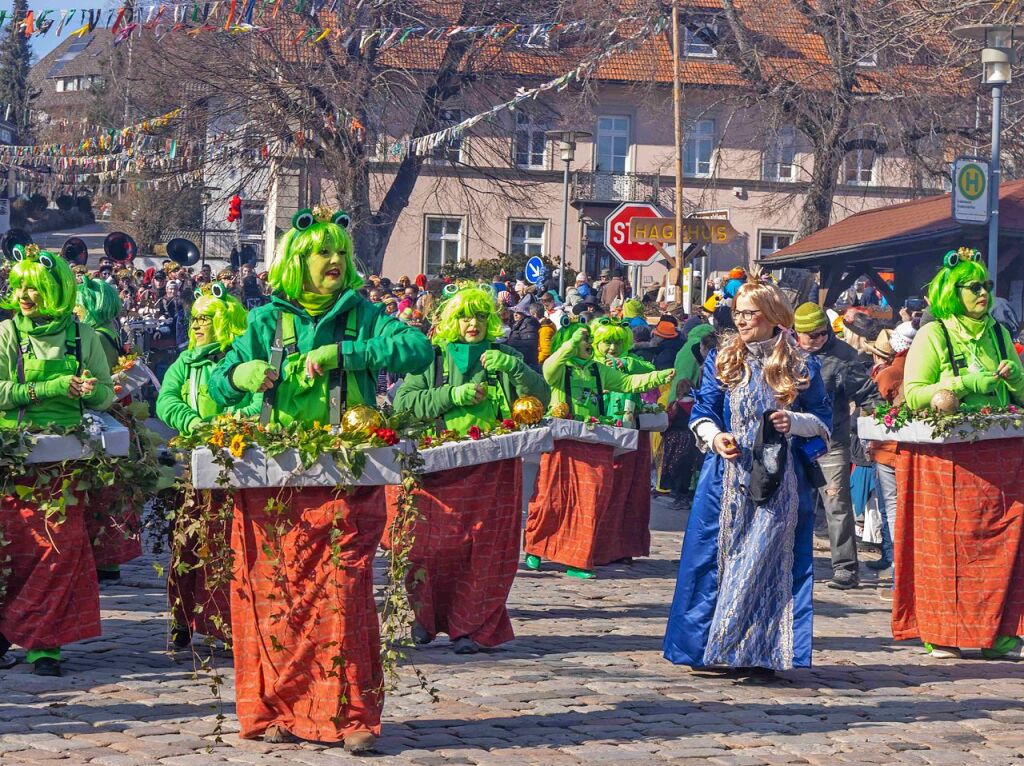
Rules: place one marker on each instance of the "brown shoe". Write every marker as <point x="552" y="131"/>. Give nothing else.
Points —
<point x="360" y="742"/>
<point x="277" y="735"/>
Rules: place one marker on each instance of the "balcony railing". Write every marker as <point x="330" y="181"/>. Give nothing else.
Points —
<point x="621" y="187"/>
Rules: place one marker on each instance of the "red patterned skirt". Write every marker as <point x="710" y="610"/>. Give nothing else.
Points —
<point x="959" y="549"/>
<point x="629" y="534"/>
<point x="49" y="595"/>
<point x="466" y="550"/>
<point x="113" y="529"/>
<point x="303" y="618"/>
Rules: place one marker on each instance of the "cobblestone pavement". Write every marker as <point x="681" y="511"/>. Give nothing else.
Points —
<point x="584" y="682"/>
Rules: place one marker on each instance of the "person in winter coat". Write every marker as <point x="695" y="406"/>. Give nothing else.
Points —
<point x="523" y="333"/>
<point x="664" y="344"/>
<point x="688" y="362"/>
<point x="847" y="377"/>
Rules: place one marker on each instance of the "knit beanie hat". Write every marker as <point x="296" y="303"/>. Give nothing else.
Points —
<point x="902" y="337"/>
<point x="809" y="317"/>
<point x="632" y="309"/>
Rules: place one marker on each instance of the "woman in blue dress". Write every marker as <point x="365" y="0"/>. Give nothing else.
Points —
<point x="743" y="593"/>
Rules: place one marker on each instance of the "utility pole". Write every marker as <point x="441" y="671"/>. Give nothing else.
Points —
<point x="677" y="112"/>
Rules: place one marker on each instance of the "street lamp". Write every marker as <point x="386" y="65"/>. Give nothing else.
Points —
<point x="997" y="59"/>
<point x="567" y="152"/>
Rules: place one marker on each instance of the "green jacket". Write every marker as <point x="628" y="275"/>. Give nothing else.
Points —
<point x="174" y="405"/>
<point x="686" y="365"/>
<point x="381" y="342"/>
<point x="584" y="387"/>
<point x="615" y="401"/>
<point x="928" y="368"/>
<point x="426" y="401"/>
<point x="14" y="395"/>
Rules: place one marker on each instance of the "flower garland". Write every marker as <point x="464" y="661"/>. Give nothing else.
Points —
<point x="966" y="421"/>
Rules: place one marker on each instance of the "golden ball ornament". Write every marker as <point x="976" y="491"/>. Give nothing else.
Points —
<point x="362" y="420"/>
<point x="561" y="410"/>
<point x="527" y="410"/>
<point x="945" y="402"/>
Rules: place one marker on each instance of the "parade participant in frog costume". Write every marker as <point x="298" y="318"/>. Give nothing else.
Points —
<point x="217" y="318"/>
<point x="571" y="518"/>
<point x="958" y="568"/>
<point x="473" y="380"/>
<point x="467" y="534"/>
<point x="51" y="369"/>
<point x="612" y="340"/>
<point x="316" y="347"/>
<point x="98" y="305"/>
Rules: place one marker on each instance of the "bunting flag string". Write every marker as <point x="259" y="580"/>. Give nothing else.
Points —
<point x="239" y="16"/>
<point x="423" y="145"/>
<point x="100" y="141"/>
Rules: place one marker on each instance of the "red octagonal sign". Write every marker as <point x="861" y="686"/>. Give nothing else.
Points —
<point x="616" y="234"/>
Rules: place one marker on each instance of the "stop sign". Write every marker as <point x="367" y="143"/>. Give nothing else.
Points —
<point x="616" y="234"/>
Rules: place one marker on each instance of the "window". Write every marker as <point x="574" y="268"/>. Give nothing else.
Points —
<point x="530" y="144"/>
<point x="60" y="84"/>
<point x="612" y="145"/>
<point x="868" y="59"/>
<point x="699" y="148"/>
<point x="449" y="151"/>
<point x="526" y="237"/>
<point x="780" y="155"/>
<point x="860" y="165"/>
<point x="770" y="241"/>
<point x="699" y="39"/>
<point x="444" y="243"/>
<point x="252" y="217"/>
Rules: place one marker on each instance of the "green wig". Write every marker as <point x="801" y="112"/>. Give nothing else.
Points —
<point x="960" y="267"/>
<point x="566" y="334"/>
<point x="228" y="314"/>
<point x="99" y="302"/>
<point x="608" y="329"/>
<point x="468" y="300"/>
<point x="312" y="232"/>
<point x="49" y="274"/>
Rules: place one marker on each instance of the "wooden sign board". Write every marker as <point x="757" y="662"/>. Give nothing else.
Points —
<point x="705" y="231"/>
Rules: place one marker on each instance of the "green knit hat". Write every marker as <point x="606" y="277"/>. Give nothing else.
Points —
<point x="809" y="317"/>
<point x="632" y="308"/>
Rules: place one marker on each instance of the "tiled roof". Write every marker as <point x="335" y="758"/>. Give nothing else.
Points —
<point x="919" y="218"/>
<point x="74" y="57"/>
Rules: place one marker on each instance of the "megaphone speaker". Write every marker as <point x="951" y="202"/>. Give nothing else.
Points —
<point x="183" y="251"/>
<point x="120" y="247"/>
<point x="75" y="251"/>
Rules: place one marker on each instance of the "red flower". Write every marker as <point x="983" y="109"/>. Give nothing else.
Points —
<point x="473" y="433"/>
<point x="388" y="436"/>
<point x="509" y="424"/>
<point x="618" y="424"/>
<point x="1012" y="409"/>
<point x="894" y="411"/>
<point x="426" y="441"/>
<point x="592" y="419"/>
<point x="986" y="410"/>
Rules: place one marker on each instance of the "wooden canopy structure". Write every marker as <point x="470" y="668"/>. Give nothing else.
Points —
<point x="909" y="240"/>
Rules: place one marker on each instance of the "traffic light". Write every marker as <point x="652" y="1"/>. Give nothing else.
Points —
<point x="235" y="209"/>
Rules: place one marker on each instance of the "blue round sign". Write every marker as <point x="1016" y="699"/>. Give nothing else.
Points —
<point x="534" y="271"/>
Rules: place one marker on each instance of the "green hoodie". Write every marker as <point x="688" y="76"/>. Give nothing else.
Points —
<point x="424" y="400"/>
<point x="381" y="342"/>
<point x="175" y="405"/>
<point x="583" y="386"/>
<point x="686" y="365"/>
<point x="615" y="401"/>
<point x="974" y="343"/>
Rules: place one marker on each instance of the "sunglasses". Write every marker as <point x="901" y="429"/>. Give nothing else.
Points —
<point x="817" y="334"/>
<point x="978" y="287"/>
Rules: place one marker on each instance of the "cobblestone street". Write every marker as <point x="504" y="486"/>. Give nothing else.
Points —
<point x="584" y="682"/>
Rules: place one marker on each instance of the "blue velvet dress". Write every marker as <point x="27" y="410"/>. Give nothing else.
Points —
<point x="743" y="592"/>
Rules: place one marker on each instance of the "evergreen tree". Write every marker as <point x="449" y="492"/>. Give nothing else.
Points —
<point x="14" y="67"/>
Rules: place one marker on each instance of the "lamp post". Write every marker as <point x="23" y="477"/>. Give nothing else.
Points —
<point x="567" y="152"/>
<point x="997" y="59"/>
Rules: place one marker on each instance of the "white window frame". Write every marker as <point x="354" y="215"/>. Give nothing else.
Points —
<point x="775" y="234"/>
<point x="862" y="176"/>
<point x="780" y="157"/>
<point x="529" y="128"/>
<point x="453" y="151"/>
<point x="868" y="60"/>
<point x="443" y="238"/>
<point x="529" y="245"/>
<point x="614" y="132"/>
<point x="700" y="133"/>
<point x="60" y="84"/>
<point x="694" y="48"/>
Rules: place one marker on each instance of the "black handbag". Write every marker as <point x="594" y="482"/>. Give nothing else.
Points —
<point x="770" y="456"/>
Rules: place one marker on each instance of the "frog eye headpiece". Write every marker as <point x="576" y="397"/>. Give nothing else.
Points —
<point x="213" y="289"/>
<point x="953" y="257"/>
<point x="467" y="300"/>
<point x="607" y="329"/>
<point x="316" y="230"/>
<point x="47" y="273"/>
<point x="958" y="267"/>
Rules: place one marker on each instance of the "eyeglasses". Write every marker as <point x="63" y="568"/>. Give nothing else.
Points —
<point x="978" y="287"/>
<point x="746" y="316"/>
<point x="817" y="334"/>
<point x="202" y="320"/>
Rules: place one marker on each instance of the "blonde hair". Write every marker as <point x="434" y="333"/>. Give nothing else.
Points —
<point x="785" y="370"/>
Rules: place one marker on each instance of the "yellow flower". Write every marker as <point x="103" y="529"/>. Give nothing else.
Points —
<point x="237" y="446"/>
<point x="217" y="438"/>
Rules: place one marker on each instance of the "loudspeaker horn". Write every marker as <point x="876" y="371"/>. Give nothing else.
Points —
<point x="11" y="238"/>
<point x="120" y="247"/>
<point x="183" y="251"/>
<point x="75" y="251"/>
